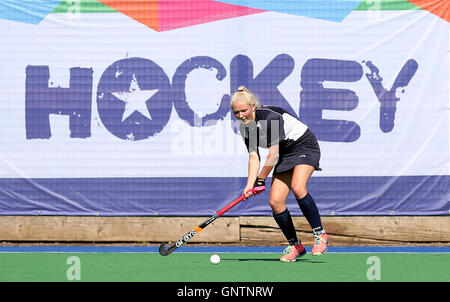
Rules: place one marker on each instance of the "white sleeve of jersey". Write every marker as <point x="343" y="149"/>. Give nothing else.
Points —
<point x="293" y="128"/>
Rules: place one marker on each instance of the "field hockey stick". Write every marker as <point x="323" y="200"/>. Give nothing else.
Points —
<point x="162" y="248"/>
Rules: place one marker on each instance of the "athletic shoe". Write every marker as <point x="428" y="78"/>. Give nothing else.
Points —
<point x="292" y="252"/>
<point x="320" y="244"/>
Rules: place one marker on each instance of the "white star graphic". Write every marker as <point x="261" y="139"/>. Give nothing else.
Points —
<point x="135" y="99"/>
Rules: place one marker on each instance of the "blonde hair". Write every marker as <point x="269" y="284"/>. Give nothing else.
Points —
<point x="244" y="94"/>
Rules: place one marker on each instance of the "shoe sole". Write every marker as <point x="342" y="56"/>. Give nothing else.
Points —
<point x="299" y="256"/>
<point x="319" y="254"/>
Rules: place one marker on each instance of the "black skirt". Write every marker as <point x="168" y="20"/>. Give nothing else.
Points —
<point x="303" y="151"/>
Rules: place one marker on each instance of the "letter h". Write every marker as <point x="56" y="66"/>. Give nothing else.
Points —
<point x="41" y="101"/>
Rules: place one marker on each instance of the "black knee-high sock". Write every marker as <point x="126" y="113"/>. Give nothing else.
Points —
<point x="311" y="213"/>
<point x="284" y="221"/>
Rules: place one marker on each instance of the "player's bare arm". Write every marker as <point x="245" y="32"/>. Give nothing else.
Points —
<point x="270" y="162"/>
<point x="254" y="162"/>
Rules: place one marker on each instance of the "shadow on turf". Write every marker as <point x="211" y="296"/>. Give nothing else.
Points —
<point x="271" y="259"/>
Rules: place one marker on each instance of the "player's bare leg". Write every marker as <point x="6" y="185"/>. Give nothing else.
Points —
<point x="300" y="178"/>
<point x="278" y="194"/>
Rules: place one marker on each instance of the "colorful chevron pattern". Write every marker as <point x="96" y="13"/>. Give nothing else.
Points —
<point x="27" y="11"/>
<point x="331" y="10"/>
<point x="164" y="15"/>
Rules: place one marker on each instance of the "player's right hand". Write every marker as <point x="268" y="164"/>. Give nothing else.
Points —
<point x="248" y="191"/>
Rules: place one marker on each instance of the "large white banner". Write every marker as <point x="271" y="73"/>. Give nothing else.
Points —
<point x="372" y="52"/>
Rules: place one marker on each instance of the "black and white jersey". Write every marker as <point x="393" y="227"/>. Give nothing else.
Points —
<point x="273" y="125"/>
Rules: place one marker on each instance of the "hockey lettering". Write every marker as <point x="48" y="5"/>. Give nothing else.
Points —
<point x="135" y="96"/>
